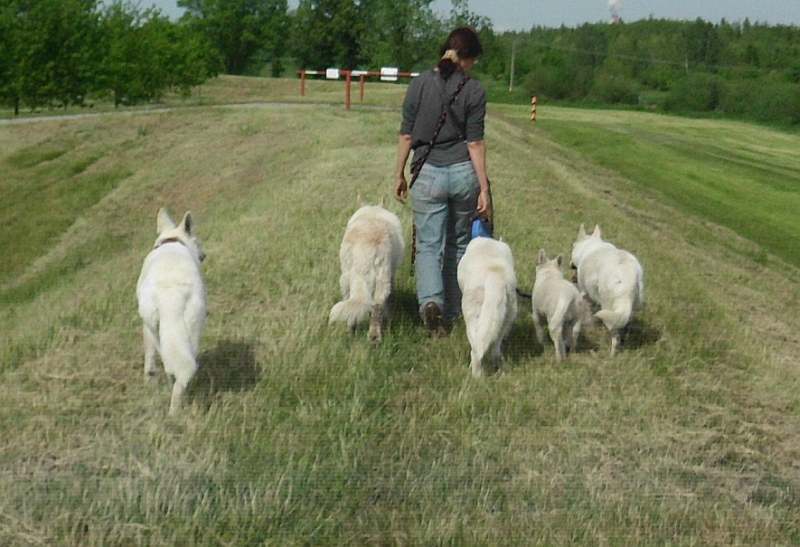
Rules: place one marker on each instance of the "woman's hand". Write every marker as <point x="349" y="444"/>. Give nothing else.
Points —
<point x="485" y="204"/>
<point x="401" y="188"/>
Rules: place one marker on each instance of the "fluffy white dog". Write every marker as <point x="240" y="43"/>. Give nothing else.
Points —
<point x="612" y="278"/>
<point x="557" y="302"/>
<point x="172" y="303"/>
<point x="489" y="303"/>
<point x="370" y="255"/>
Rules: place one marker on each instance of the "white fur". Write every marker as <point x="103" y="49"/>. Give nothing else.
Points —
<point x="557" y="302"/>
<point x="489" y="303"/>
<point x="370" y="255"/>
<point x="172" y="304"/>
<point x="612" y="278"/>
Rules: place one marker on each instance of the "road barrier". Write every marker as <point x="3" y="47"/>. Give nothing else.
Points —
<point x="386" y="74"/>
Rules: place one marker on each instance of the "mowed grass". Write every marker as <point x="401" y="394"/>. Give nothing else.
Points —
<point x="296" y="433"/>
<point x="741" y="176"/>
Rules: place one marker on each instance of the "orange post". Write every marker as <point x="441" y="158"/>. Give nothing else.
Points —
<point x="348" y="81"/>
<point x="361" y="80"/>
<point x="533" y="109"/>
<point x="302" y="83"/>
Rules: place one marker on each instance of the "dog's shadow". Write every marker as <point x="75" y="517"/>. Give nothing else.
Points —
<point x="405" y="309"/>
<point x="229" y="367"/>
<point x="640" y="334"/>
<point x="520" y="345"/>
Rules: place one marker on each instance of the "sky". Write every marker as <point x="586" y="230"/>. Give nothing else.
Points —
<point x="523" y="14"/>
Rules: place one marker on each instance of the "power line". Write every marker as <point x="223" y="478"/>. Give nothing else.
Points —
<point x="651" y="60"/>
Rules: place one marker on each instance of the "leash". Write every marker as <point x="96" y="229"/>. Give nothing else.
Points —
<point x="418" y="163"/>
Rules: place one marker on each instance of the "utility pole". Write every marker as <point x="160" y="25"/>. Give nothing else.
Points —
<point x="513" y="58"/>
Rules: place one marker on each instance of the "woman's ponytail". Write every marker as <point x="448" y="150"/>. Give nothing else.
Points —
<point x="462" y="43"/>
<point x="448" y="63"/>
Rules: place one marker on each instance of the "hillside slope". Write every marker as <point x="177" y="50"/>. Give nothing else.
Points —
<point x="297" y="433"/>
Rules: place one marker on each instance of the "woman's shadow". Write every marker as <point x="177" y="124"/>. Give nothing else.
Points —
<point x="229" y="367"/>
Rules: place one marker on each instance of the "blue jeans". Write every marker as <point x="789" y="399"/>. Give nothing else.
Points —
<point x="444" y="200"/>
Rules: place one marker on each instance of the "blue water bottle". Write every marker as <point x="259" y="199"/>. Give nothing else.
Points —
<point x="481" y="228"/>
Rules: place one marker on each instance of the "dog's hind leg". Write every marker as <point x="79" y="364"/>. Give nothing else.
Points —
<point x="616" y="342"/>
<point x="537" y="325"/>
<point x="376" y="323"/>
<point x="572" y="336"/>
<point x="150" y="351"/>
<point x="557" y="335"/>
<point x="475" y="365"/>
<point x="178" y="389"/>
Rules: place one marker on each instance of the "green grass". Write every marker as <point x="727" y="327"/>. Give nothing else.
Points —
<point x="741" y="176"/>
<point x="296" y="433"/>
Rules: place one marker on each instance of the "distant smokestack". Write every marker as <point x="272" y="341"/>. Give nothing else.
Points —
<point x="615" y="6"/>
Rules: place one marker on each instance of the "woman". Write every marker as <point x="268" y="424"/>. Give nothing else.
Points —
<point x="452" y="186"/>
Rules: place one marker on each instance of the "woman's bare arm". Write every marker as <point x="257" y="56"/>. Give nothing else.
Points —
<point x="477" y="153"/>
<point x="403" y="150"/>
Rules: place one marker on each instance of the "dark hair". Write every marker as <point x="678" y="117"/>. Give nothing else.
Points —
<point x="466" y="43"/>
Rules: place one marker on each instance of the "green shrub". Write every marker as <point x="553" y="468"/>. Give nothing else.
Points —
<point x="696" y="93"/>
<point x="615" y="89"/>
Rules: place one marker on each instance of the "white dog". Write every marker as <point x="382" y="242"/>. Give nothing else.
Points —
<point x="612" y="278"/>
<point x="557" y="302"/>
<point x="172" y="303"/>
<point x="489" y="303"/>
<point x="370" y="255"/>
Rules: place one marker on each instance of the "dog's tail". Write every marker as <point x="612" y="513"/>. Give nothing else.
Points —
<point x="616" y="318"/>
<point x="493" y="309"/>
<point x="368" y="270"/>
<point x="174" y="338"/>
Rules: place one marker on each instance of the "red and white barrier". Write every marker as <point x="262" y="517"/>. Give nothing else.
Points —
<point x="386" y="74"/>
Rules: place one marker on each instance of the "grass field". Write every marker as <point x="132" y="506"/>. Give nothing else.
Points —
<point x="296" y="433"/>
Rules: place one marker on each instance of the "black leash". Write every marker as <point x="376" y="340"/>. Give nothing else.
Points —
<point x="418" y="163"/>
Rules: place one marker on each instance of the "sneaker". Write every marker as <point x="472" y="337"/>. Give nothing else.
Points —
<point x="432" y="318"/>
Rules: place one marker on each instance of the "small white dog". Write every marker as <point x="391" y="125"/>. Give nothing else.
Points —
<point x="612" y="278"/>
<point x="172" y="303"/>
<point x="557" y="302"/>
<point x="489" y="302"/>
<point x="370" y="255"/>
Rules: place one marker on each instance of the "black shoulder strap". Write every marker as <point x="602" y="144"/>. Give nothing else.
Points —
<point x="416" y="166"/>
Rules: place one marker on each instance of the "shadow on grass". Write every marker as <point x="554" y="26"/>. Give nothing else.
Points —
<point x="404" y="308"/>
<point x="640" y="334"/>
<point x="229" y="367"/>
<point x="521" y="344"/>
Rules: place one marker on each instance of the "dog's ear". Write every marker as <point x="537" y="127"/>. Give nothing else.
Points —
<point x="164" y="221"/>
<point x="559" y="260"/>
<point x="542" y="258"/>
<point x="597" y="232"/>
<point x="187" y="223"/>
<point x="581" y="232"/>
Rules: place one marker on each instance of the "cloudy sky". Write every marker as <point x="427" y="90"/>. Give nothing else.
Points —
<point x="522" y="14"/>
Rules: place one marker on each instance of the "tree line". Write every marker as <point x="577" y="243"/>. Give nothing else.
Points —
<point x="60" y="52"/>
<point x="743" y="69"/>
<point x="56" y="53"/>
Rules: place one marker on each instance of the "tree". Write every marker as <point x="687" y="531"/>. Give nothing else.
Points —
<point x="56" y="51"/>
<point x="9" y="83"/>
<point x="239" y="29"/>
<point x="403" y="33"/>
<point x="328" y="33"/>
<point x="462" y="16"/>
